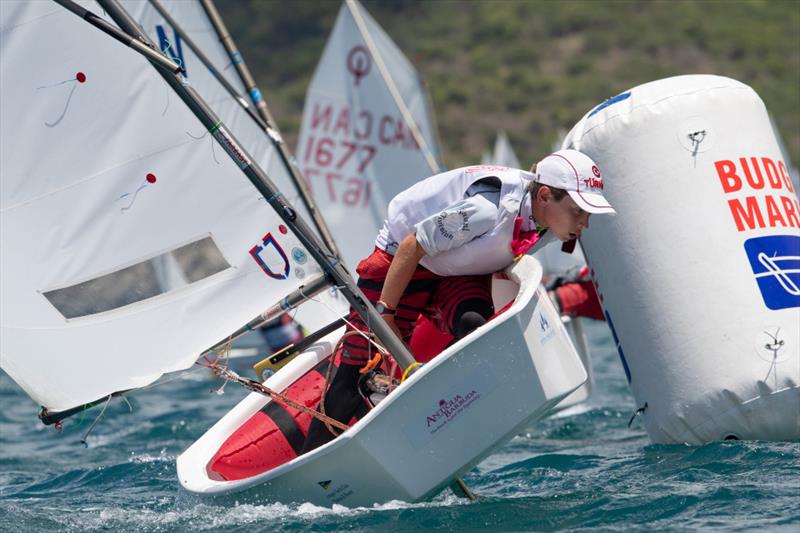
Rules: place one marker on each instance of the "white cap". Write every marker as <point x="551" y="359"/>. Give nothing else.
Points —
<point x="577" y="174"/>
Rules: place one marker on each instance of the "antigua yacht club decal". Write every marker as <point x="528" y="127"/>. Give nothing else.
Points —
<point x="271" y="258"/>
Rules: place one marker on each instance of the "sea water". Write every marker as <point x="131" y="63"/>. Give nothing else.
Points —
<point x="577" y="471"/>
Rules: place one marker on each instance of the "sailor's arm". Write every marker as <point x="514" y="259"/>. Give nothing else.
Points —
<point x="406" y="259"/>
<point x="475" y="216"/>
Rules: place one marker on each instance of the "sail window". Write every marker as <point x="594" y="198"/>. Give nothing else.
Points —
<point x="172" y="270"/>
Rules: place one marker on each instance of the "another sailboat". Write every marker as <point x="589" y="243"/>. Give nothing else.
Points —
<point x="367" y="131"/>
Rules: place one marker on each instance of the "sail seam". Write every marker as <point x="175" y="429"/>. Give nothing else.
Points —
<point x="93" y="176"/>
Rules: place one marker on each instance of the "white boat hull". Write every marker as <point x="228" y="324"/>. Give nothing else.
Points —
<point x="439" y="423"/>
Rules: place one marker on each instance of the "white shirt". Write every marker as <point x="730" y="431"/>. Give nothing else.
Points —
<point x="460" y="222"/>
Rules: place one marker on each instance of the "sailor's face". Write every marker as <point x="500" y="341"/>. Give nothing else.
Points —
<point x="564" y="218"/>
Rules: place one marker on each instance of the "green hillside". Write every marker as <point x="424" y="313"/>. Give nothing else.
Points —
<point x="533" y="67"/>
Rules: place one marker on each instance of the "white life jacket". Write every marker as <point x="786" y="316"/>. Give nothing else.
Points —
<point x="485" y="254"/>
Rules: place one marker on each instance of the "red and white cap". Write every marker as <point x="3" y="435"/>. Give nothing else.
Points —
<point x="577" y="174"/>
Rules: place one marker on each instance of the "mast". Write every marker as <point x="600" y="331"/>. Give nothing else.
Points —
<point x="214" y="72"/>
<point x="392" y="86"/>
<point x="148" y="51"/>
<point x="334" y="269"/>
<point x="261" y="106"/>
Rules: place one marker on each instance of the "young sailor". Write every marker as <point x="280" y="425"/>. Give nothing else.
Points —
<point x="442" y="240"/>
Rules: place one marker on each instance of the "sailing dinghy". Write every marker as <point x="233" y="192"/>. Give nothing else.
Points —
<point x="132" y="229"/>
<point x="439" y="423"/>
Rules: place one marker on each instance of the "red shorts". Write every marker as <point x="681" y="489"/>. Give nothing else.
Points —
<point x="440" y="299"/>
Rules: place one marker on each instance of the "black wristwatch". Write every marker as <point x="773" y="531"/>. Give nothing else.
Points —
<point x="384" y="309"/>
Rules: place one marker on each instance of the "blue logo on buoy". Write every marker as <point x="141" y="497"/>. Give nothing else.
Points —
<point x="775" y="261"/>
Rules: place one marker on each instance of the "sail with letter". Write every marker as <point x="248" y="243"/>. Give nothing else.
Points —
<point x="260" y="140"/>
<point x="130" y="243"/>
<point x="367" y="132"/>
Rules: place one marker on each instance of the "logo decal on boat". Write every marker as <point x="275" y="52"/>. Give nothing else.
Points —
<point x="324" y="484"/>
<point x="435" y="415"/>
<point x="338" y="493"/>
<point x="274" y="264"/>
<point x="543" y="323"/>
<point x="548" y="332"/>
<point x="449" y="409"/>
<point x="775" y="261"/>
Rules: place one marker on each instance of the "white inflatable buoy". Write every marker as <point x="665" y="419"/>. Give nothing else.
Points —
<point x="699" y="272"/>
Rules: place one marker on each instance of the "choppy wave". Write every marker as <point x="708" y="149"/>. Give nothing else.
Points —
<point x="585" y="470"/>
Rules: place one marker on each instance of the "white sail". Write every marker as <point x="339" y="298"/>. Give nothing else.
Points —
<point x="191" y="17"/>
<point x="193" y="20"/>
<point x="108" y="185"/>
<point x="504" y="153"/>
<point x="366" y="133"/>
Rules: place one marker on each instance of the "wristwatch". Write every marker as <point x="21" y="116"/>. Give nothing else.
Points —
<point x="384" y="309"/>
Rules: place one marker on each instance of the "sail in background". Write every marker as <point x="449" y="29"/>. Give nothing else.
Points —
<point x="794" y="173"/>
<point x="504" y="153"/>
<point x="366" y="132"/>
<point x="130" y="243"/>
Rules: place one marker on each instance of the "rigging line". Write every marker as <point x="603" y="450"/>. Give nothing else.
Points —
<point x="773" y="366"/>
<point x="167" y="380"/>
<point x="165" y="49"/>
<point x="55" y="84"/>
<point x="166" y="105"/>
<point x="387" y="78"/>
<point x="262" y="182"/>
<point x="213" y="150"/>
<point x="224" y="352"/>
<point x="128" y="403"/>
<point x="263" y="389"/>
<point x="133" y="199"/>
<point x="260" y="115"/>
<point x="96" y="420"/>
<point x="773" y="347"/>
